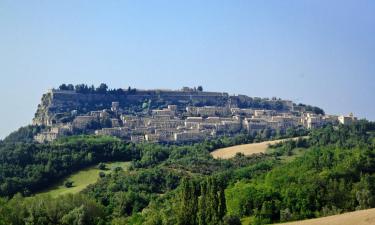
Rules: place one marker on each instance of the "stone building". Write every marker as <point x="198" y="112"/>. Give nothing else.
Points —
<point x="264" y="113"/>
<point x="162" y="112"/>
<point x="244" y="112"/>
<point x="45" y="136"/>
<point x="81" y="122"/>
<point x="115" y="106"/>
<point x="115" y="122"/>
<point x="193" y="135"/>
<point x="120" y="132"/>
<point x="193" y="122"/>
<point x="347" y="120"/>
<point x="137" y="138"/>
<point x="253" y="125"/>
<point x="208" y="111"/>
<point x="53" y="133"/>
<point x="232" y="126"/>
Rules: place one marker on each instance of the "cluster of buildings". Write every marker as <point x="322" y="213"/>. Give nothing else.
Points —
<point x="173" y="124"/>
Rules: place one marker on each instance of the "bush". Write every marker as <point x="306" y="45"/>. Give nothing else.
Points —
<point x="68" y="184"/>
<point x="101" y="174"/>
<point x="231" y="220"/>
<point x="102" y="166"/>
<point x="117" y="169"/>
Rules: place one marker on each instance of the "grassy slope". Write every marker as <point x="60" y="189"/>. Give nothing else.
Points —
<point x="81" y="179"/>
<point x="246" y="149"/>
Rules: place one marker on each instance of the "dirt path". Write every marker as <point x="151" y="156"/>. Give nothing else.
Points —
<point x="246" y="149"/>
<point x="362" y="217"/>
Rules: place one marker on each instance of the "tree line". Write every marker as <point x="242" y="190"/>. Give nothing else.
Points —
<point x="101" y="89"/>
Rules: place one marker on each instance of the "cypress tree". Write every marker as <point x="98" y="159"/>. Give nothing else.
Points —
<point x="205" y="205"/>
<point x="222" y="204"/>
<point x="215" y="201"/>
<point x="202" y="204"/>
<point x="188" y="210"/>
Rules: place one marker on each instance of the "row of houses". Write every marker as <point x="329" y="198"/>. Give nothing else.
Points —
<point x="171" y="124"/>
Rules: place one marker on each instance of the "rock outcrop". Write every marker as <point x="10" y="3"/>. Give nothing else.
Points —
<point x="59" y="105"/>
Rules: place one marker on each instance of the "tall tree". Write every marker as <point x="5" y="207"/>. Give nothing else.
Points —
<point x="202" y="204"/>
<point x="102" y="88"/>
<point x="187" y="213"/>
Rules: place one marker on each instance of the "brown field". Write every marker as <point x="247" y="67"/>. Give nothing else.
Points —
<point x="246" y="149"/>
<point x="362" y="217"/>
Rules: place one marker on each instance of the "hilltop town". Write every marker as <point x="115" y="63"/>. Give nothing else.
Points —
<point x="185" y="115"/>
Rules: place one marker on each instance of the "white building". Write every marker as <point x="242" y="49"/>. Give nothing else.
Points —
<point x="347" y="120"/>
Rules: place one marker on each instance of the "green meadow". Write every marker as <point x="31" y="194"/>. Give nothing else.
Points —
<point x="81" y="179"/>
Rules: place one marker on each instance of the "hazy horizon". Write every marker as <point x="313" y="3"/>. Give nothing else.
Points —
<point x="313" y="52"/>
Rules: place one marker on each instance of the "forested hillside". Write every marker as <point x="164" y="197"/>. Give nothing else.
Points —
<point x="332" y="173"/>
<point x="336" y="174"/>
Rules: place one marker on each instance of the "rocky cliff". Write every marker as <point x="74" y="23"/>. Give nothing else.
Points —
<point x="57" y="105"/>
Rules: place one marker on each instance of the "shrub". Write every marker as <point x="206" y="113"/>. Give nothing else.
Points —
<point x="101" y="174"/>
<point x="102" y="166"/>
<point x="231" y="220"/>
<point x="68" y="184"/>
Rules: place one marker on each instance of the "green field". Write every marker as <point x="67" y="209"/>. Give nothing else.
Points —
<point x="81" y="179"/>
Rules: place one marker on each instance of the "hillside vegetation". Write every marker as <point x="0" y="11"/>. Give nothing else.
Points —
<point x="81" y="179"/>
<point x="336" y="174"/>
<point x="333" y="173"/>
<point x="30" y="167"/>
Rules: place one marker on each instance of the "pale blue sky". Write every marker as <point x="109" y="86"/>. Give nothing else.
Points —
<point x="319" y="52"/>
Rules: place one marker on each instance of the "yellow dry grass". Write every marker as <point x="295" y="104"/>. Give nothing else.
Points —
<point x="246" y="149"/>
<point x="362" y="217"/>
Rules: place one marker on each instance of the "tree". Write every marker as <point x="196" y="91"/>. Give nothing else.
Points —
<point x="68" y="184"/>
<point x="187" y="213"/>
<point x="102" y="166"/>
<point x="200" y="88"/>
<point x="365" y="193"/>
<point x="222" y="209"/>
<point x="101" y="174"/>
<point x="213" y="201"/>
<point x="6" y="213"/>
<point x="102" y="88"/>
<point x="63" y="87"/>
<point x="231" y="220"/>
<point x="77" y="216"/>
<point x="81" y="88"/>
<point x="285" y="215"/>
<point x="211" y="205"/>
<point x="92" y="89"/>
<point x="202" y="205"/>
<point x="70" y="87"/>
